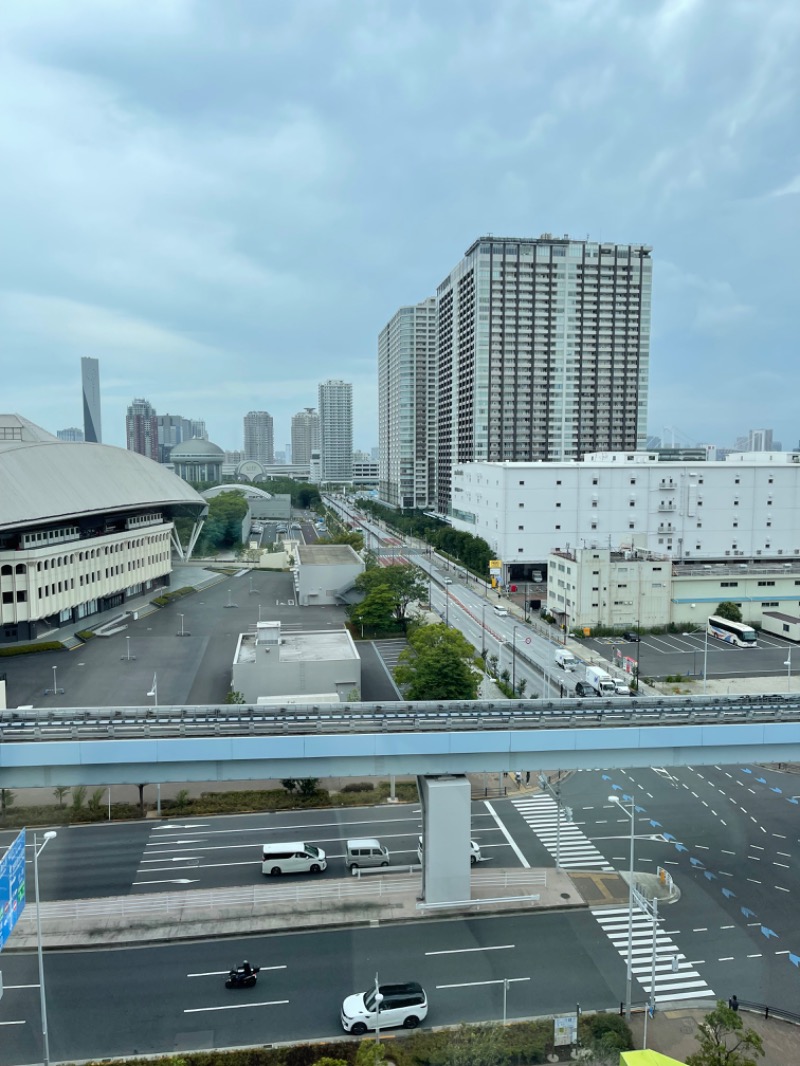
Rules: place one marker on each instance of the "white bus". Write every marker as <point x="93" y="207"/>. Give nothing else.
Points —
<point x="732" y="632"/>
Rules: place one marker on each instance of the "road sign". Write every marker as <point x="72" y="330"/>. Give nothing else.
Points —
<point x="12" y="887"/>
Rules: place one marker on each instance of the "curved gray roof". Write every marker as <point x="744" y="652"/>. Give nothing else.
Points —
<point x="250" y="491"/>
<point x="195" y="448"/>
<point x="44" y="479"/>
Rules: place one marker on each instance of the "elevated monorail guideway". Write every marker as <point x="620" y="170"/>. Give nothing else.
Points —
<point x="127" y="745"/>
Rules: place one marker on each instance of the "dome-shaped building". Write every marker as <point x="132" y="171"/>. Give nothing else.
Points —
<point x="83" y="528"/>
<point x="197" y="460"/>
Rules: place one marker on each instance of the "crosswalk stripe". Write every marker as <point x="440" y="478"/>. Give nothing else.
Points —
<point x="683" y="983"/>
<point x="575" y="851"/>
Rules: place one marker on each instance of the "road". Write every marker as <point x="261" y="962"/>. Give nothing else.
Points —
<point x="172" y="999"/>
<point x="193" y="853"/>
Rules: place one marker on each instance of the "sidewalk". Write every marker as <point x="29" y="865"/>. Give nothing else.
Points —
<point x="673" y="1032"/>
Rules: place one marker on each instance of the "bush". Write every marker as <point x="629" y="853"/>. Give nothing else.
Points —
<point x="358" y="786"/>
<point x="32" y="649"/>
<point x="610" y="1032"/>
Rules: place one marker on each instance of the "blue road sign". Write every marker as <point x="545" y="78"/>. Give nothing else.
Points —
<point x="12" y="887"/>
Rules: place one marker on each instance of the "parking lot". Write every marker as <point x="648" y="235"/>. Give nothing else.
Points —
<point x="670" y="654"/>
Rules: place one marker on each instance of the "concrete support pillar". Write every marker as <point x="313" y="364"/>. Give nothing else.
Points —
<point x="446" y="833"/>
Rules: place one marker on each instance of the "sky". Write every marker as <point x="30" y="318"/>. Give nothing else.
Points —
<point x="226" y="200"/>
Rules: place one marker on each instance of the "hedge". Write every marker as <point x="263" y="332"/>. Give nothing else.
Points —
<point x="32" y="649"/>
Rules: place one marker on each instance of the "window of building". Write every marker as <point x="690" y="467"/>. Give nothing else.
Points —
<point x="595" y="481"/>
<point x="770" y="604"/>
<point x="520" y="527"/>
<point x="521" y="505"/>
<point x="631" y="525"/>
<point x="764" y="584"/>
<point x="594" y="525"/>
<point x="728" y="584"/>
<point x="558" y="527"/>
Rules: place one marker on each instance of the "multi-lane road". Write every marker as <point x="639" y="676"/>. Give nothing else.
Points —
<point x="729" y="837"/>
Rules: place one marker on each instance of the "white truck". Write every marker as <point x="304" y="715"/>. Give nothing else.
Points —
<point x="596" y="682"/>
<point x="566" y="660"/>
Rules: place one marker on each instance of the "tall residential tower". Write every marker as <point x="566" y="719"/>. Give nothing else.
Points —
<point x="90" y="381"/>
<point x="305" y="436"/>
<point x="407" y="406"/>
<point x="336" y="430"/>
<point x="259" y="441"/>
<point x="141" y="429"/>
<point x="543" y="352"/>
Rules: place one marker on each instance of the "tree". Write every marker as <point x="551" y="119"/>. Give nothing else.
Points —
<point x="724" y="1040"/>
<point x="731" y="611"/>
<point x="404" y="583"/>
<point x="376" y="610"/>
<point x="234" y="697"/>
<point x="438" y="665"/>
<point x="60" y="792"/>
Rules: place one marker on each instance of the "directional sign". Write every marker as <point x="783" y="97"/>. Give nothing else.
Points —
<point x="12" y="887"/>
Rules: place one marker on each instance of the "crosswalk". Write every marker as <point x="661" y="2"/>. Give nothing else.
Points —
<point x="676" y="978"/>
<point x="576" y="852"/>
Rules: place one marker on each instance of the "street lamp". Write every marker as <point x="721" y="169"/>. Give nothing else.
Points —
<point x="483" y="631"/>
<point x="705" y="661"/>
<point x="447" y="605"/>
<point x="788" y="665"/>
<point x="37" y="850"/>
<point x="514" y="659"/>
<point x="154" y="690"/>
<point x="629" y="971"/>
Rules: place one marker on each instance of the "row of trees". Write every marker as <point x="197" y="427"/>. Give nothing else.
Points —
<point x="472" y="552"/>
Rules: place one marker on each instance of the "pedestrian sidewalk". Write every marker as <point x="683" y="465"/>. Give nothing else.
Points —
<point x="674" y="1032"/>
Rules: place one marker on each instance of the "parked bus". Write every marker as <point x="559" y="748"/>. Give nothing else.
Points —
<point x="732" y="632"/>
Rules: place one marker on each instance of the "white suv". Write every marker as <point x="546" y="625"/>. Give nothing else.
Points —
<point x="405" y="1005"/>
<point x="474" y="851"/>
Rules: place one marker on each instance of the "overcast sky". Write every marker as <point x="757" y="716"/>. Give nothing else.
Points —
<point x="225" y="200"/>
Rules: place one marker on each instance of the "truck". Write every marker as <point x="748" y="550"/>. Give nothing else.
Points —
<point x="566" y="660"/>
<point x="596" y="682"/>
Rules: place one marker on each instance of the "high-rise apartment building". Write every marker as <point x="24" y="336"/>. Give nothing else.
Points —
<point x="757" y="440"/>
<point x="141" y="429"/>
<point x="175" y="429"/>
<point x="336" y="430"/>
<point x="90" y="381"/>
<point x="407" y="406"/>
<point x="72" y="433"/>
<point x="543" y="352"/>
<point x="305" y="436"/>
<point x="259" y="437"/>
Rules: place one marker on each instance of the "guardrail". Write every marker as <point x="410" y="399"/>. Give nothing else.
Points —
<point x="770" y="1012"/>
<point x="125" y="723"/>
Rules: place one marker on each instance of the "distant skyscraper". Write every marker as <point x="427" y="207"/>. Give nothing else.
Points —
<point x="305" y="436"/>
<point x="258" y="437"/>
<point x="407" y="406"/>
<point x="175" y="429"/>
<point x="336" y="430"/>
<point x="90" y="379"/>
<point x="543" y="352"/>
<point x="72" y="434"/>
<point x="141" y="429"/>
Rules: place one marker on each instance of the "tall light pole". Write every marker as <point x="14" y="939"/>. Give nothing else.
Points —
<point x="629" y="970"/>
<point x="514" y="659"/>
<point x="788" y="665"/>
<point x="154" y="690"/>
<point x="447" y="605"/>
<point x="705" y="661"/>
<point x="483" y="631"/>
<point x="37" y="850"/>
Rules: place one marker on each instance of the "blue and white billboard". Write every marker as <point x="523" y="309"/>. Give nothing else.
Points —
<point x="12" y="887"/>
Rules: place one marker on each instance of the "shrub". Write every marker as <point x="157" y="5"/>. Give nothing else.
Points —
<point x="78" y="796"/>
<point x="32" y="649"/>
<point x="95" y="799"/>
<point x="608" y="1031"/>
<point x="358" y="786"/>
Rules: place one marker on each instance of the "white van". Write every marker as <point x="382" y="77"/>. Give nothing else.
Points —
<point x="566" y="660"/>
<point x="292" y="857"/>
<point x="503" y="611"/>
<point x="366" y="852"/>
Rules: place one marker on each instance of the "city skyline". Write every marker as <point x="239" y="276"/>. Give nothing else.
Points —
<point x="226" y="249"/>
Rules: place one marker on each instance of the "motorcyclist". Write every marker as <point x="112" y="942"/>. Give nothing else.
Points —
<point x="246" y="968"/>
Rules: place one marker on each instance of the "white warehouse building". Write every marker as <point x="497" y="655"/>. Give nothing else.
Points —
<point x="744" y="508"/>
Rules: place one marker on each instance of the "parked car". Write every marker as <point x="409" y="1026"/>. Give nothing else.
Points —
<point x="403" y="1004"/>
<point x="474" y="851"/>
<point x="629" y="634"/>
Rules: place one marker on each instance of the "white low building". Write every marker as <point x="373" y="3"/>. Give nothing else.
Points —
<point x="324" y="573"/>
<point x="746" y="507"/>
<point x="591" y="587"/>
<point x="272" y="663"/>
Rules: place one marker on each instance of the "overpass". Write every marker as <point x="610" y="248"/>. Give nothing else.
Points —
<point x="129" y="745"/>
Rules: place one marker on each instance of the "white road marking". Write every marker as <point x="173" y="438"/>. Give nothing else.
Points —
<point x="237" y="1006"/>
<point x="507" y="835"/>
<point x="459" y="951"/>
<point x="474" y="984"/>
<point x="724" y="852"/>
<point x="753" y="881"/>
<point x="780" y="888"/>
<point x="224" y="973"/>
<point x="7" y="988"/>
<point x="757" y="956"/>
<point x="12" y="1023"/>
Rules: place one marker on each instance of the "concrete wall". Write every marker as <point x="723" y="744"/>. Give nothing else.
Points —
<point x="446" y="832"/>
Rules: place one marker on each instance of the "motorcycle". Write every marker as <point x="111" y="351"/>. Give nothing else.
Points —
<point x="238" y="977"/>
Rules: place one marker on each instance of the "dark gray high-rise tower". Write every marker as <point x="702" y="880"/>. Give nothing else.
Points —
<point x="90" y="379"/>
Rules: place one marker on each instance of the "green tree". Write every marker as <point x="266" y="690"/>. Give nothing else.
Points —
<point x="78" y="796"/>
<point x="724" y="1040"/>
<point x="731" y="611"/>
<point x="347" y="536"/>
<point x="308" y="785"/>
<point x="234" y="697"/>
<point x="289" y="783"/>
<point x="404" y="583"/>
<point x="96" y="798"/>
<point x="438" y="665"/>
<point x="60" y="792"/>
<point x="6" y="799"/>
<point x="375" y="612"/>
